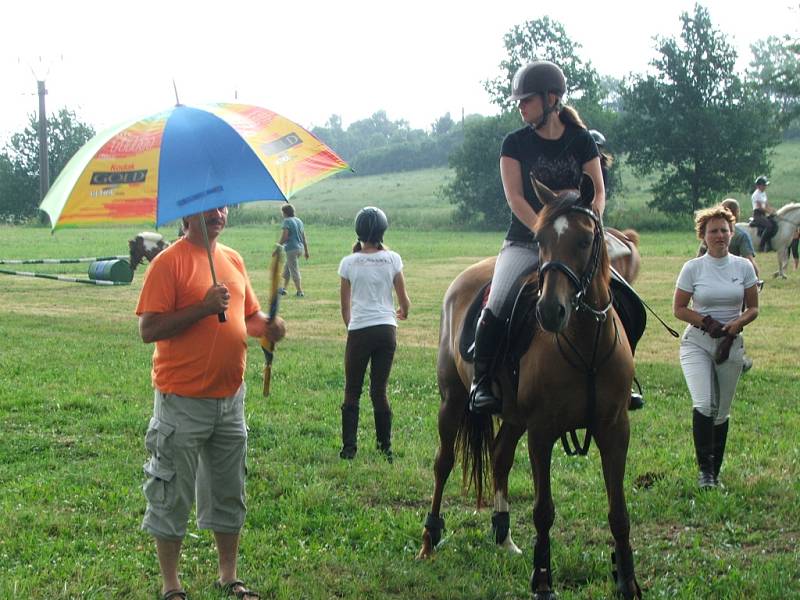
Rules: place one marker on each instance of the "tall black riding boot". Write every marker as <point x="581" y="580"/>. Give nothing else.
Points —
<point x="383" y="433"/>
<point x="487" y="340"/>
<point x="720" y="438"/>
<point x="703" y="430"/>
<point x="349" y="431"/>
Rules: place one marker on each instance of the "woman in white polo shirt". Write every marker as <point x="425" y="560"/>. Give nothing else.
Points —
<point x="718" y="284"/>
<point x="368" y="276"/>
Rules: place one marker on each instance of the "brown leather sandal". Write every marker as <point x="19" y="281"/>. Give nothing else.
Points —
<point x="176" y="594"/>
<point x="229" y="589"/>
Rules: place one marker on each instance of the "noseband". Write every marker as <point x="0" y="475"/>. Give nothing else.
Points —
<point x="581" y="284"/>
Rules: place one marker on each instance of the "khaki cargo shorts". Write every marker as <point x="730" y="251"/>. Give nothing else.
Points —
<point x="197" y="451"/>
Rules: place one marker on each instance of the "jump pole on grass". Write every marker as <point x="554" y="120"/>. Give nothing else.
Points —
<point x="56" y="261"/>
<point x="63" y="278"/>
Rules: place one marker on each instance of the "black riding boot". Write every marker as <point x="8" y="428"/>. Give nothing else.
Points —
<point x="720" y="437"/>
<point x="631" y="313"/>
<point x="703" y="430"/>
<point x="487" y="339"/>
<point x="383" y="433"/>
<point x="349" y="431"/>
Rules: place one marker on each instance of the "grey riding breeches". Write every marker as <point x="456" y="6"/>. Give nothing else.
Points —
<point x="515" y="260"/>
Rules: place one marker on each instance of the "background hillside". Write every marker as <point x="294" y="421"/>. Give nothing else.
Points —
<point x="414" y="199"/>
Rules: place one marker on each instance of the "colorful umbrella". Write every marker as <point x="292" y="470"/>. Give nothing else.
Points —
<point x="186" y="160"/>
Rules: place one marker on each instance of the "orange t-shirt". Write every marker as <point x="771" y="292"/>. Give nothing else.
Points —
<point x="207" y="360"/>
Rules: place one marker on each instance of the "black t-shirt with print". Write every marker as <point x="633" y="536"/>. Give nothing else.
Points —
<point x="558" y="164"/>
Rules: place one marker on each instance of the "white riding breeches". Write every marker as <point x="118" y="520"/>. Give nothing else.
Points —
<point x="711" y="386"/>
<point x="515" y="259"/>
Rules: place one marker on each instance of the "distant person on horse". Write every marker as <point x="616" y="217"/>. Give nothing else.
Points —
<point x="555" y="148"/>
<point x="763" y="213"/>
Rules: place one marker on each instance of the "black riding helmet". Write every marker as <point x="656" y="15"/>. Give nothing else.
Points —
<point x="539" y="77"/>
<point x="762" y="180"/>
<point x="371" y="223"/>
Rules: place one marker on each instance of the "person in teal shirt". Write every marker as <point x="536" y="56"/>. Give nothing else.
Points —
<point x="293" y="239"/>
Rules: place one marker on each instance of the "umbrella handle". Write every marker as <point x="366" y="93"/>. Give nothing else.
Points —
<point x="221" y="315"/>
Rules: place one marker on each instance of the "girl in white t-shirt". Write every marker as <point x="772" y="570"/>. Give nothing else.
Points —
<point x="368" y="276"/>
<point x="712" y="350"/>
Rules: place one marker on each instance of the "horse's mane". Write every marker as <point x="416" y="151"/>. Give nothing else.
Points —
<point x="788" y="208"/>
<point x="562" y="206"/>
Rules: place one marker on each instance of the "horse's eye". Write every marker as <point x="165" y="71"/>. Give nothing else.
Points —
<point x="584" y="244"/>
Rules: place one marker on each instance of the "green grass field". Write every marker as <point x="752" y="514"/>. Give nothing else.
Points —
<point x="76" y="398"/>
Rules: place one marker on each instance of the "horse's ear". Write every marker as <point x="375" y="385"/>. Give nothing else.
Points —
<point x="544" y="193"/>
<point x="587" y="191"/>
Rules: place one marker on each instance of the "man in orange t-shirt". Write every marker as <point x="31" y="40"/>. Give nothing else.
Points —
<point x="197" y="437"/>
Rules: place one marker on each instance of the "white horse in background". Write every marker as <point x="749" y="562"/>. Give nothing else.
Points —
<point x="788" y="218"/>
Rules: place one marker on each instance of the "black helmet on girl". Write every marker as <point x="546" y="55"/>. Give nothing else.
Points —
<point x="538" y="77"/>
<point x="371" y="223"/>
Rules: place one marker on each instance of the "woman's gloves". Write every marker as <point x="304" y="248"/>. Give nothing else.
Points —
<point x="715" y="330"/>
<point x="713" y="327"/>
<point x="724" y="349"/>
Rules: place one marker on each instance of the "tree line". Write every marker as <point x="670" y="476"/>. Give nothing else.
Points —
<point x="692" y="121"/>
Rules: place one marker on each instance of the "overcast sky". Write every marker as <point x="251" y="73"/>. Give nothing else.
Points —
<point x="417" y="60"/>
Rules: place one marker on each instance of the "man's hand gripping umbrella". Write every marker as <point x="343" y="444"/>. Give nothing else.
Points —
<point x="266" y="345"/>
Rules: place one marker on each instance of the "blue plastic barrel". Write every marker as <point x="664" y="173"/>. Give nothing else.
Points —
<point x="111" y="270"/>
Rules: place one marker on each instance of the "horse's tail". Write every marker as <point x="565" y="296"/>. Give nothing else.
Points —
<point x="632" y="235"/>
<point x="474" y="443"/>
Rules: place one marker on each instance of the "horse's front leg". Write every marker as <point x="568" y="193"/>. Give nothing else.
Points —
<point x="454" y="399"/>
<point x="502" y="461"/>
<point x="541" y="453"/>
<point x="783" y="262"/>
<point x="612" y="442"/>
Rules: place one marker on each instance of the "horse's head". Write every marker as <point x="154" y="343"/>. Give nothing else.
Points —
<point x="572" y="255"/>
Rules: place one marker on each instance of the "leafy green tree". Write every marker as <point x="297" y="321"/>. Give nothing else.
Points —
<point x="694" y="122"/>
<point x="775" y="70"/>
<point x="476" y="189"/>
<point x="378" y="145"/>
<point x="19" y="161"/>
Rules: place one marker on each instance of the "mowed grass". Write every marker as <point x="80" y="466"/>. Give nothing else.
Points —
<point x="75" y="400"/>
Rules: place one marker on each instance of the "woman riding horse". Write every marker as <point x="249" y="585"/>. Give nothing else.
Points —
<point x="574" y="373"/>
<point x="555" y="148"/>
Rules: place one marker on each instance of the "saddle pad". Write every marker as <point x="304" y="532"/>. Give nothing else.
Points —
<point x="520" y="328"/>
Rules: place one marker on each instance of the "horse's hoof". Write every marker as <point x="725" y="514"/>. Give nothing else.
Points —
<point x="548" y="595"/>
<point x="509" y="546"/>
<point x="427" y="546"/>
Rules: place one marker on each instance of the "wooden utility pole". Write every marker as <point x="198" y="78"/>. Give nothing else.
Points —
<point x="44" y="162"/>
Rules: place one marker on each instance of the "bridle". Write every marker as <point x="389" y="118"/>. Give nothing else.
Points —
<point x="581" y="284"/>
<point x="579" y="302"/>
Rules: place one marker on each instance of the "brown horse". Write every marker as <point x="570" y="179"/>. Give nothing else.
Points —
<point x="575" y="374"/>
<point x="623" y="252"/>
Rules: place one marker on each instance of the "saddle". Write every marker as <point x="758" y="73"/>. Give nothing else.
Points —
<point x="522" y="325"/>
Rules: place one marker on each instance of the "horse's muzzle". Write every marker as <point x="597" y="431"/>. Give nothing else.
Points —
<point x="552" y="314"/>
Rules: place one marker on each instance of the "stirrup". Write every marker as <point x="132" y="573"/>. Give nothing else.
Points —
<point x="484" y="404"/>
